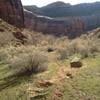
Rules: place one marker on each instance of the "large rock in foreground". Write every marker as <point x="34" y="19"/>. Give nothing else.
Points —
<point x="76" y="63"/>
<point x="12" y="12"/>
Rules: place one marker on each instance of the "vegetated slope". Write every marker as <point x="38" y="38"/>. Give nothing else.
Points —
<point x="10" y="34"/>
<point x="6" y="33"/>
<point x="61" y="9"/>
<point x="18" y="65"/>
<point x="21" y="64"/>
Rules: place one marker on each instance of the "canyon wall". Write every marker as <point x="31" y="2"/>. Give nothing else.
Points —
<point x="12" y="12"/>
<point x="53" y="26"/>
<point x="72" y="26"/>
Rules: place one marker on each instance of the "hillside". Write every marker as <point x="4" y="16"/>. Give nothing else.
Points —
<point x="6" y="33"/>
<point x="10" y="35"/>
<point x="61" y="9"/>
<point x="40" y="69"/>
<point x="38" y="66"/>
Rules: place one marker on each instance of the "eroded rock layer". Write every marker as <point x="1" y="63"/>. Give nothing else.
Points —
<point x="51" y="25"/>
<point x="72" y="26"/>
<point x="12" y="12"/>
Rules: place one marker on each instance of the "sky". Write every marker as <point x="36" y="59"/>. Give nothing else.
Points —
<point x="41" y="3"/>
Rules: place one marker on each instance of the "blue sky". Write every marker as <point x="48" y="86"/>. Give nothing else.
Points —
<point x="41" y="3"/>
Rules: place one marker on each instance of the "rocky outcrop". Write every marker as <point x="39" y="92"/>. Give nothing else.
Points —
<point x="12" y="12"/>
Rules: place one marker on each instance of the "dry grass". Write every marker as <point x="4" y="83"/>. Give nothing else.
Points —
<point x="6" y="36"/>
<point x="24" y="60"/>
<point x="32" y="56"/>
<point x="85" y="46"/>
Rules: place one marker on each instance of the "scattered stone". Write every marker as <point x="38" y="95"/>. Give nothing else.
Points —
<point x="50" y="50"/>
<point x="69" y="75"/>
<point x="76" y="63"/>
<point x="45" y="83"/>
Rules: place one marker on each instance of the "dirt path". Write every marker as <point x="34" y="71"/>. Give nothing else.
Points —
<point x="58" y="79"/>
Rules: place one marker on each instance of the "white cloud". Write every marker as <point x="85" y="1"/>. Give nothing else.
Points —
<point x="45" y="2"/>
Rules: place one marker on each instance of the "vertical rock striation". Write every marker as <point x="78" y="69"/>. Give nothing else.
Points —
<point x="69" y="27"/>
<point x="12" y="12"/>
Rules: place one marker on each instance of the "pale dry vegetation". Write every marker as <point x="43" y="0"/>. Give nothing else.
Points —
<point x="6" y="35"/>
<point x="85" y="46"/>
<point x="23" y="60"/>
<point x="32" y="56"/>
<point x="43" y="52"/>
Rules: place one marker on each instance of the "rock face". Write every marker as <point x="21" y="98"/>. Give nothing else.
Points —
<point x="72" y="26"/>
<point x="12" y="12"/>
<point x="70" y="20"/>
<point x="53" y="26"/>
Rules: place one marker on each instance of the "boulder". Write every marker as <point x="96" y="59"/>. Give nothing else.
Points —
<point x="76" y="63"/>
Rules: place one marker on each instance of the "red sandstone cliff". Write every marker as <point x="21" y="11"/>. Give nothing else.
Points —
<point x="72" y="26"/>
<point x="53" y="26"/>
<point x="12" y="12"/>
